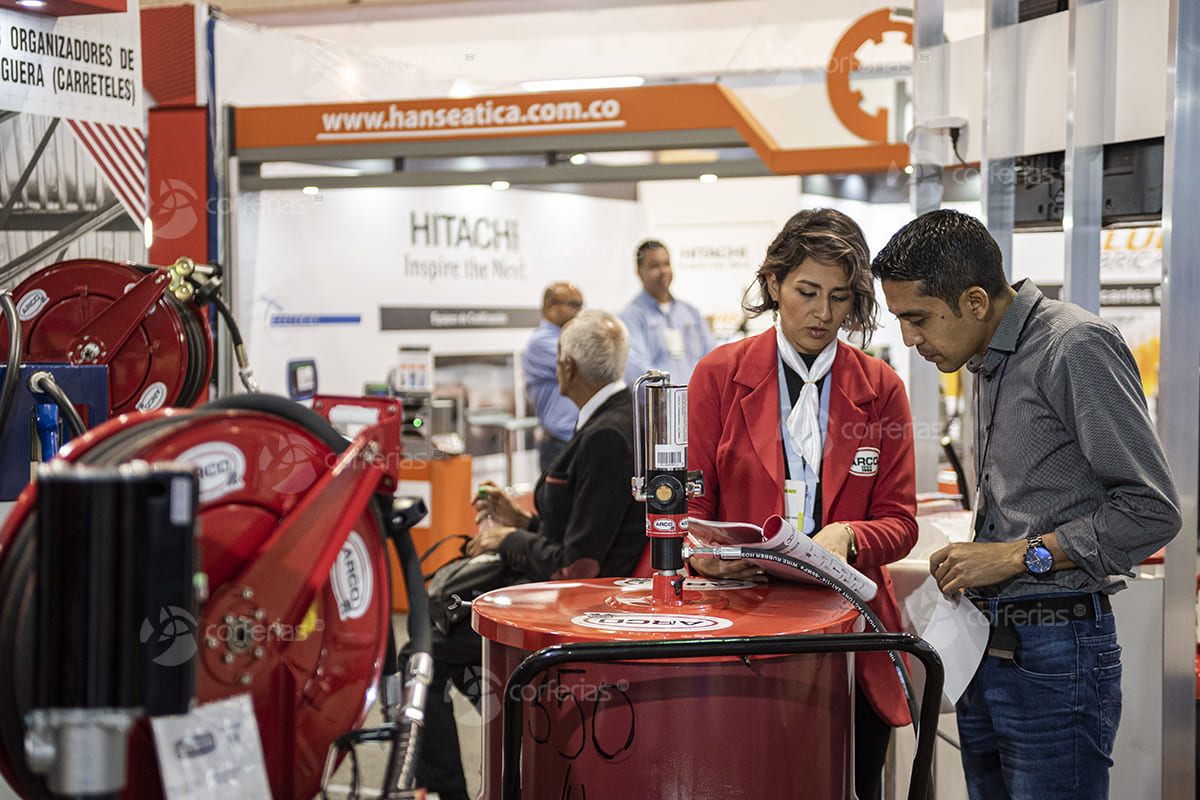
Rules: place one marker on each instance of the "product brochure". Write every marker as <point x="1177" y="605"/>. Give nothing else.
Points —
<point x="780" y="536"/>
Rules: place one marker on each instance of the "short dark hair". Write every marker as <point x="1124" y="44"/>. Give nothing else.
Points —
<point x="830" y="237"/>
<point x="946" y="252"/>
<point x="646" y="247"/>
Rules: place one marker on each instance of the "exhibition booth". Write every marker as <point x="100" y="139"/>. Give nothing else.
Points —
<point x="295" y="273"/>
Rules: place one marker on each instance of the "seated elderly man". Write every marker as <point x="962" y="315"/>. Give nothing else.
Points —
<point x="586" y="523"/>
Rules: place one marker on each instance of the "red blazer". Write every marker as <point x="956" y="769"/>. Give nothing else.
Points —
<point x="734" y="437"/>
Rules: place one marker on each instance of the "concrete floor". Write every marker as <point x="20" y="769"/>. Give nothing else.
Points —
<point x="373" y="759"/>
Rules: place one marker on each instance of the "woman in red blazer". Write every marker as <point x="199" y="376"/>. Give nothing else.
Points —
<point x="853" y="426"/>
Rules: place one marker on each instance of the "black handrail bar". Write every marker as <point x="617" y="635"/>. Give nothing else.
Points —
<point x="655" y="650"/>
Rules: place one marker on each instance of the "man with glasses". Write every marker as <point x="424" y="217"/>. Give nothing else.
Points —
<point x="557" y="414"/>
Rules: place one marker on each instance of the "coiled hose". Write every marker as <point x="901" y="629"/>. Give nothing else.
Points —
<point x="841" y="588"/>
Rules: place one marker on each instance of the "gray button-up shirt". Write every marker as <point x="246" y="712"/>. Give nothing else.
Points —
<point x="1064" y="444"/>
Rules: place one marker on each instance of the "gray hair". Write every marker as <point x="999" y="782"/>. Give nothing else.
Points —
<point x="598" y="342"/>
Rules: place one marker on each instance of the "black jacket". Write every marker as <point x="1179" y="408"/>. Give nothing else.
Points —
<point x="587" y="523"/>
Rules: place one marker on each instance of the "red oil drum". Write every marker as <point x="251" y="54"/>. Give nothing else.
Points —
<point x="689" y="729"/>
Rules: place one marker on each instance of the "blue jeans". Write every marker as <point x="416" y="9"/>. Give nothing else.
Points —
<point x="1041" y="725"/>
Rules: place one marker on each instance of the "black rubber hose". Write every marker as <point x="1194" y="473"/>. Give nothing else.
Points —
<point x="235" y="333"/>
<point x="420" y="624"/>
<point x="12" y="372"/>
<point x="402" y="760"/>
<point x="856" y="601"/>
<point x="245" y="374"/>
<point x="44" y="383"/>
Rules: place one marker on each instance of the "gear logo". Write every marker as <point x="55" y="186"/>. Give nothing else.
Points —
<point x="173" y="638"/>
<point x="175" y="205"/>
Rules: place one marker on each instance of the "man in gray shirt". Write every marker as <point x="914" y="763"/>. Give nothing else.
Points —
<point x="1072" y="491"/>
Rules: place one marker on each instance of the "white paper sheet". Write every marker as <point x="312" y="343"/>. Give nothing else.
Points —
<point x="212" y="753"/>
<point x="956" y="629"/>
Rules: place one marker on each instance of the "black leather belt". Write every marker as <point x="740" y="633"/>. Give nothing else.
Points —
<point x="1044" y="610"/>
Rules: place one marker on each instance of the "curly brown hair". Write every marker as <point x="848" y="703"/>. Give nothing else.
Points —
<point x="830" y="237"/>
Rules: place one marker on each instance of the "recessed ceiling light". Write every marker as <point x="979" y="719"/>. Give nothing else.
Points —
<point x="708" y="177"/>
<point x="579" y="159"/>
<point x="311" y="190"/>
<point x="31" y="3"/>
<point x="908" y="169"/>
<point x="500" y="186"/>
<point x="565" y="84"/>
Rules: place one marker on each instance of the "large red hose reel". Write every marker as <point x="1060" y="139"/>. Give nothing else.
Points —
<point x="292" y="544"/>
<point x="139" y="321"/>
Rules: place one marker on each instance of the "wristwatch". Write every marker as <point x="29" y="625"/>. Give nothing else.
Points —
<point x="1037" y="558"/>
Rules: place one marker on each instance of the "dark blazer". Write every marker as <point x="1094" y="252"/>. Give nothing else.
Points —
<point x="734" y="437"/>
<point x="587" y="523"/>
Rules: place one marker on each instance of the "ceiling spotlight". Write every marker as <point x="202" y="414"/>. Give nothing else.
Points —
<point x="31" y="3"/>
<point x="579" y="159"/>
<point x="310" y="190"/>
<point x="908" y="169"/>
<point x="500" y="186"/>
<point x="708" y="177"/>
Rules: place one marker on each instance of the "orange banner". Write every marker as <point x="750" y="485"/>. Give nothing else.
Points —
<point x="650" y="108"/>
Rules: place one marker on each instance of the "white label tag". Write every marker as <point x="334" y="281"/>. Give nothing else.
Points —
<point x="794" y="494"/>
<point x="220" y="466"/>
<point x="669" y="456"/>
<point x="154" y="397"/>
<point x="212" y="752"/>
<point x="31" y="305"/>
<point x="351" y="579"/>
<point x="649" y="622"/>
<point x="866" y="462"/>
<point x="679" y="413"/>
<point x="674" y="338"/>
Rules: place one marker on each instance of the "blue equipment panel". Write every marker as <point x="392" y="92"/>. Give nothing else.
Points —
<point x="87" y="386"/>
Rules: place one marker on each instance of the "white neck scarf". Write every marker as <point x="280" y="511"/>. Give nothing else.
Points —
<point x="804" y="423"/>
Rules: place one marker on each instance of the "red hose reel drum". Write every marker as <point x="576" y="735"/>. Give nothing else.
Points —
<point x="310" y="680"/>
<point x="166" y="359"/>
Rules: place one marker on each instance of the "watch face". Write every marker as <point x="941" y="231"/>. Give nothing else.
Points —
<point x="1038" y="560"/>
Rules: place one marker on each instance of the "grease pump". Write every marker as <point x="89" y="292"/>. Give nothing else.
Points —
<point x="662" y="479"/>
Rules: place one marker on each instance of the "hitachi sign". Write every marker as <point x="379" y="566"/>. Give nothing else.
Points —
<point x="451" y="230"/>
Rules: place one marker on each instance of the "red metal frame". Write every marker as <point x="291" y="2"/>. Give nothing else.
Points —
<point x="274" y="625"/>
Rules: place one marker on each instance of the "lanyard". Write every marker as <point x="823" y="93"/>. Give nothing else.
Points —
<point x="981" y="457"/>
<point x="797" y="467"/>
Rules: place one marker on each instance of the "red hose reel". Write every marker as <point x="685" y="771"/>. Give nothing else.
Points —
<point x="139" y="321"/>
<point x="292" y="545"/>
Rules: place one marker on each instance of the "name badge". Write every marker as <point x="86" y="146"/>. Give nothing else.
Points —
<point x="674" y="338"/>
<point x="794" y="494"/>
